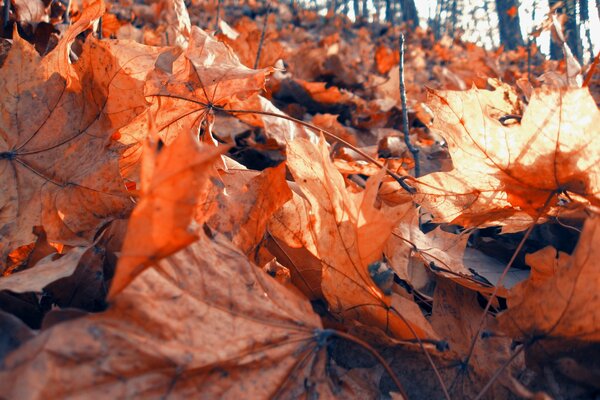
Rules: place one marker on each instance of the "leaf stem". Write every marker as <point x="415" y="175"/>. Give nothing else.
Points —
<point x="262" y="35"/>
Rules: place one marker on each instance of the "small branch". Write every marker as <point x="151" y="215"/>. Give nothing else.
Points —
<point x="529" y="59"/>
<point x="100" y="28"/>
<point x="414" y="150"/>
<point x="262" y="36"/>
<point x="218" y="16"/>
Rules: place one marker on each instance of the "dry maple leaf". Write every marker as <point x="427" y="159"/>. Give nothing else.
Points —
<point x="175" y="184"/>
<point x="32" y="11"/>
<point x="246" y="204"/>
<point x="186" y="87"/>
<point x="205" y="322"/>
<point x="440" y="252"/>
<point x="456" y="313"/>
<point x="560" y="299"/>
<point x="506" y="170"/>
<point x="46" y="271"/>
<point x="58" y="165"/>
<point x="347" y="233"/>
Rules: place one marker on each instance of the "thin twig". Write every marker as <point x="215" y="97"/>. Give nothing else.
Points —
<point x="398" y="178"/>
<point x="374" y="353"/>
<point x="262" y="36"/>
<point x="218" y="16"/>
<point x="529" y="59"/>
<point x="100" y="28"/>
<point x="504" y="273"/>
<point x="413" y="150"/>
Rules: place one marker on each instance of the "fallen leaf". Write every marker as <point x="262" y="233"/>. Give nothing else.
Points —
<point x="440" y="252"/>
<point x="31" y="11"/>
<point x="59" y="168"/>
<point x="14" y="333"/>
<point x="560" y="299"/>
<point x="175" y="183"/>
<point x="457" y="313"/>
<point x="185" y="87"/>
<point x="245" y="205"/>
<point x="505" y="173"/>
<point x="348" y="233"/>
<point x="46" y="271"/>
<point x="199" y="324"/>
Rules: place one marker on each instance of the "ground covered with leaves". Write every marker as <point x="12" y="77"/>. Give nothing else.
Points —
<point x="218" y="201"/>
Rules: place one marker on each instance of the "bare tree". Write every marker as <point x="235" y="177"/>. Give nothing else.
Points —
<point x="409" y="13"/>
<point x="509" y="24"/>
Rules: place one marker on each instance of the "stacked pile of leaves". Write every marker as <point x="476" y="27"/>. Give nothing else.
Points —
<point x="178" y="217"/>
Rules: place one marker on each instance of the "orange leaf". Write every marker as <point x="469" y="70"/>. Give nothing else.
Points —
<point x="57" y="167"/>
<point x="201" y="323"/>
<point x="247" y="203"/>
<point x="175" y="181"/>
<point x="560" y="299"/>
<point x="186" y="85"/>
<point x="505" y="171"/>
<point x="348" y="232"/>
<point x="44" y="272"/>
<point x="512" y="12"/>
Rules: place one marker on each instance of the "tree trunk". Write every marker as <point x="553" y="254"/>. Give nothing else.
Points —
<point x="355" y="3"/>
<point x="509" y="24"/>
<point x="572" y="29"/>
<point x="409" y="13"/>
<point x="389" y="12"/>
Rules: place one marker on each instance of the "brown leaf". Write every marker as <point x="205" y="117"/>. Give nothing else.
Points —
<point x="348" y="233"/>
<point x="245" y="205"/>
<point x="175" y="183"/>
<point x="186" y="86"/>
<point x="560" y="299"/>
<point x="201" y="323"/>
<point x="504" y="173"/>
<point x="46" y="271"/>
<point x="439" y="251"/>
<point x="31" y="11"/>
<point x="59" y="162"/>
<point x="457" y="314"/>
